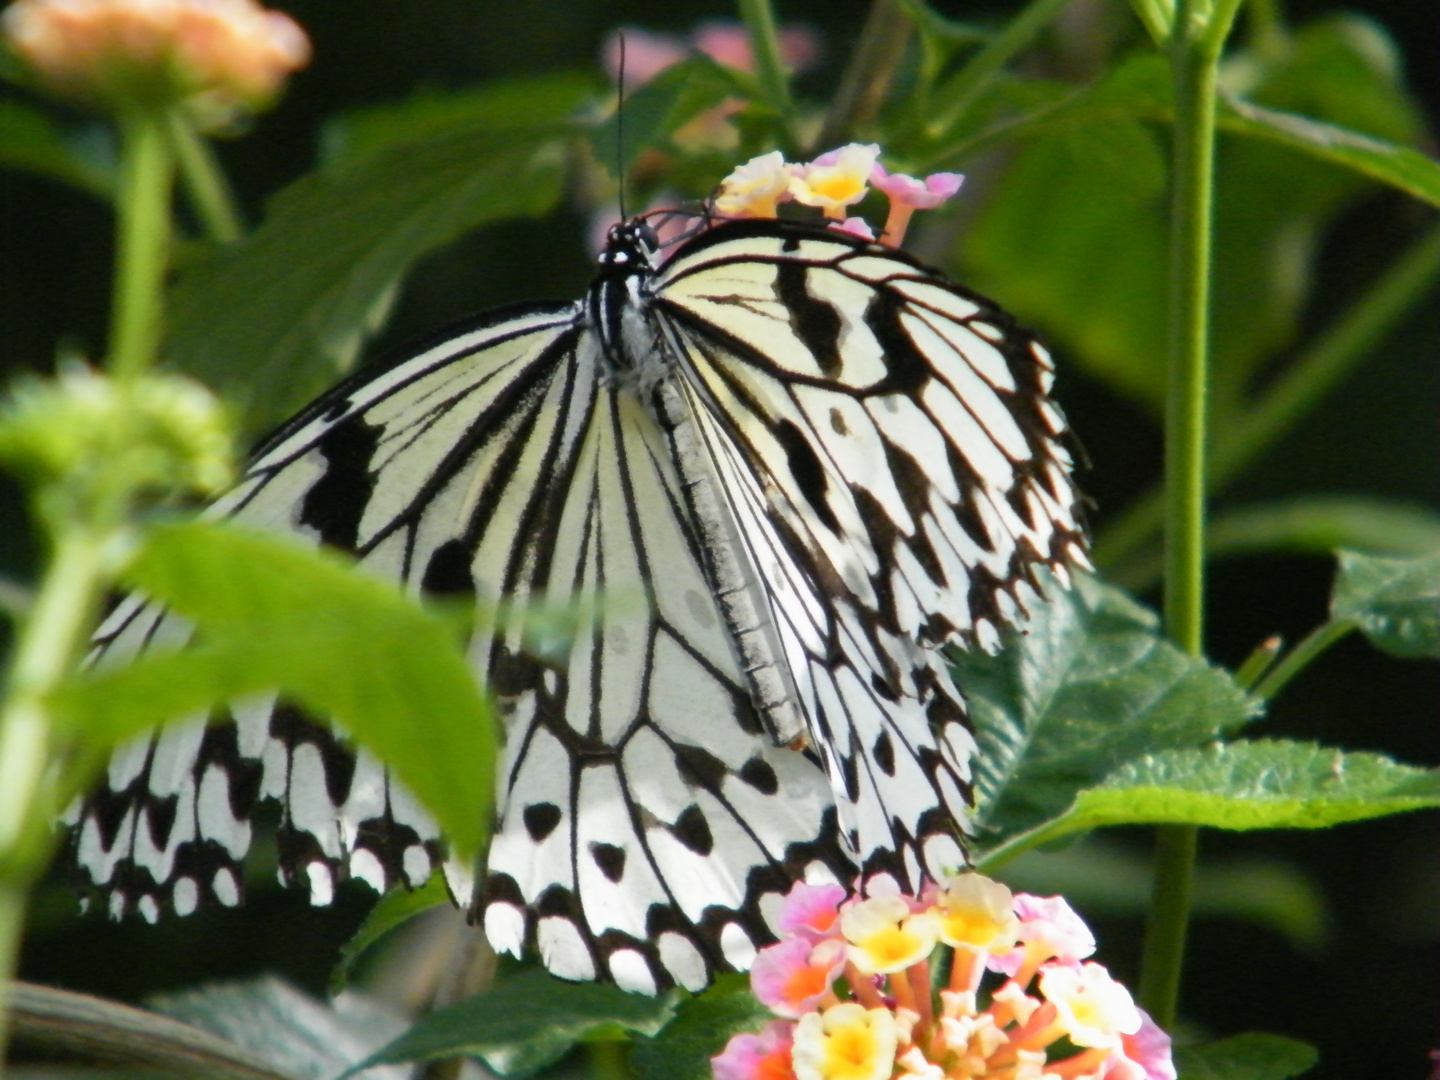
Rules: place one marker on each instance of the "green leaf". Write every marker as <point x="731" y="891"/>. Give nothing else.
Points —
<point x="1090" y="686"/>
<point x="669" y="101"/>
<point x="1085" y="202"/>
<point x="1252" y="1056"/>
<point x="1399" y="166"/>
<point x="508" y="105"/>
<point x="271" y="615"/>
<point x="700" y="1030"/>
<point x="1260" y="784"/>
<point x="32" y="141"/>
<point x="524" y="1023"/>
<point x="273" y="1021"/>
<point x="394" y="909"/>
<point x="289" y="307"/>
<point x="1395" y="602"/>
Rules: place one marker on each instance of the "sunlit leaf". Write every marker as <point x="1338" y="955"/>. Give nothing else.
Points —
<point x="1260" y="784"/>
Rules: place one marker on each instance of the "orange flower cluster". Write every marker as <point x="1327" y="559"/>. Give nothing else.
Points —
<point x="218" y="58"/>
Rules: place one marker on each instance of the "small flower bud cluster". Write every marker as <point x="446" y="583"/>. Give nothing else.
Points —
<point x="851" y="982"/>
<point x="833" y="182"/>
<point x="217" y="58"/>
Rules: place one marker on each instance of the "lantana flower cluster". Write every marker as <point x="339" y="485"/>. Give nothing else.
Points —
<point x="219" y="59"/>
<point x="850" y="982"/>
<point x="833" y="182"/>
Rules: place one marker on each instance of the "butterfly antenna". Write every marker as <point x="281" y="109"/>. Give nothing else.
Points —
<point x="620" y="129"/>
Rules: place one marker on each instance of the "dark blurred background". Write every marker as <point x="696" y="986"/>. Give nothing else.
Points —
<point x="1368" y="996"/>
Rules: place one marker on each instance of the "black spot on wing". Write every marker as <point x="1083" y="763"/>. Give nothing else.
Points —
<point x="883" y="753"/>
<point x="815" y="322"/>
<point x="540" y="820"/>
<point x="692" y="830"/>
<point x="760" y="775"/>
<point x="806" y="468"/>
<point x="160" y="819"/>
<point x="335" y="505"/>
<point x="448" y="571"/>
<point x="700" y="768"/>
<point x="610" y="859"/>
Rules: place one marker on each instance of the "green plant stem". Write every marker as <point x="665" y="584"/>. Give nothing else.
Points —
<point x="206" y="188"/>
<point x="977" y="74"/>
<point x="1300" y="657"/>
<point x="147" y="169"/>
<point x="871" y="70"/>
<point x="14" y="896"/>
<point x="759" y="19"/>
<point x="1194" y="61"/>
<point x="1259" y="662"/>
<point x="46" y="645"/>
<point x="1316" y="373"/>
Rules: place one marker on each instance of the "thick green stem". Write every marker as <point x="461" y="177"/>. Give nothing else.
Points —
<point x="765" y="43"/>
<point x="142" y="240"/>
<point x="13" y="898"/>
<point x="1338" y="351"/>
<point x="206" y="188"/>
<point x="46" y="645"/>
<point x="1168" y="921"/>
<point x="1194" y="61"/>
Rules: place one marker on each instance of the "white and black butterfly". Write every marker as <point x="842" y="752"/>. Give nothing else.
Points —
<point x="810" y="460"/>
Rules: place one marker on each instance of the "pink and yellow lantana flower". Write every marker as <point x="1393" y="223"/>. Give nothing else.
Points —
<point x="851" y="980"/>
<point x="833" y="183"/>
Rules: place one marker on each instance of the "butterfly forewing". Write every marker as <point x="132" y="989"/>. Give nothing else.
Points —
<point x="901" y="423"/>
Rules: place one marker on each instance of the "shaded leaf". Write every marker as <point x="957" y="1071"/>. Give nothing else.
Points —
<point x="273" y="319"/>
<point x="273" y="614"/>
<point x="32" y="141"/>
<point x="1395" y="602"/>
<point x="1089" y="686"/>
<point x="1252" y="1056"/>
<point x="63" y="1024"/>
<point x="511" y="106"/>
<point x="1074" y="237"/>
<point x="524" y="1023"/>
<point x="700" y="1030"/>
<point x="1399" y="166"/>
<point x="394" y="909"/>
<point x="275" y="1022"/>
<point x="669" y="101"/>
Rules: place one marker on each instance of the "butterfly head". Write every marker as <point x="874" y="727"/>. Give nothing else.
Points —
<point x="630" y="247"/>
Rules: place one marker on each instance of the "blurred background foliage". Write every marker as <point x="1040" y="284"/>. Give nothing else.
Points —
<point x="1329" y="936"/>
